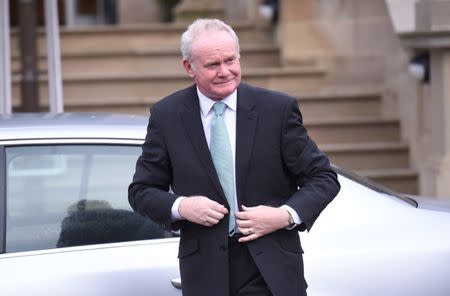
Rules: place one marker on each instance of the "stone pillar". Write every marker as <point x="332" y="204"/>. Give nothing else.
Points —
<point x="433" y="35"/>
<point x="436" y="171"/>
<point x="189" y="10"/>
<point x="138" y="11"/>
<point x="242" y="11"/>
<point x="300" y="35"/>
<point x="432" y="15"/>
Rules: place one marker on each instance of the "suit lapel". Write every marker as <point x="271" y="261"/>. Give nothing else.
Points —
<point x="246" y="121"/>
<point x="190" y="115"/>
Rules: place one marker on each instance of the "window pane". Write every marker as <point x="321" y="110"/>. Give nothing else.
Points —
<point x="60" y="196"/>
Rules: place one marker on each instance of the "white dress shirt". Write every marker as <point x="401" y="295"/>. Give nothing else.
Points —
<point x="206" y="114"/>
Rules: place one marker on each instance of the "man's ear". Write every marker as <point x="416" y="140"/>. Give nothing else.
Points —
<point x="188" y="67"/>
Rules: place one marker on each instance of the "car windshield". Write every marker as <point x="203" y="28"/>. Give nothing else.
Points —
<point x="69" y="195"/>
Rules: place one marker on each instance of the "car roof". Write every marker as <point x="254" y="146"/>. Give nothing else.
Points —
<point x="19" y="126"/>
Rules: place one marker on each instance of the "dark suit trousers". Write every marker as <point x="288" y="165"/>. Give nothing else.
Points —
<point x="245" y="278"/>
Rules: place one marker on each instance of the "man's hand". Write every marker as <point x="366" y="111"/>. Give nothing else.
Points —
<point x="202" y="210"/>
<point x="254" y="222"/>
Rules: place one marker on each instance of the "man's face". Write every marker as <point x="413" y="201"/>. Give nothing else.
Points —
<point x="215" y="65"/>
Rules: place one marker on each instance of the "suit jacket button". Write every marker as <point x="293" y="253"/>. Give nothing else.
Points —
<point x="224" y="247"/>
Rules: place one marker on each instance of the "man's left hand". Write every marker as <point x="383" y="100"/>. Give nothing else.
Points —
<point x="254" y="222"/>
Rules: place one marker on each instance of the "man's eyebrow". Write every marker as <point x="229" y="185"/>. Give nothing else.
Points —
<point x="210" y="63"/>
<point x="231" y="56"/>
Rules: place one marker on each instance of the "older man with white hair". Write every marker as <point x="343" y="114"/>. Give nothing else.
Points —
<point x="245" y="176"/>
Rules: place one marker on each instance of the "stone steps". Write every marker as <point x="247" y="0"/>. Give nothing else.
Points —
<point x="147" y="88"/>
<point x="346" y="104"/>
<point x="350" y="128"/>
<point x="369" y="156"/>
<point x="110" y="39"/>
<point x="144" y="61"/>
<point x="400" y="180"/>
<point x="353" y="130"/>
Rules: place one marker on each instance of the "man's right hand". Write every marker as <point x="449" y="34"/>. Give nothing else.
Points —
<point x="202" y="210"/>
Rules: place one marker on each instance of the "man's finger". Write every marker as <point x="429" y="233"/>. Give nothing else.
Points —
<point x="212" y="221"/>
<point x="248" y="209"/>
<point x="246" y="230"/>
<point x="242" y="215"/>
<point x="248" y="238"/>
<point x="244" y="223"/>
<point x="216" y="215"/>
<point x="219" y="208"/>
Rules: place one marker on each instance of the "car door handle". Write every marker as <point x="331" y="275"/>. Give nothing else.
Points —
<point x="176" y="283"/>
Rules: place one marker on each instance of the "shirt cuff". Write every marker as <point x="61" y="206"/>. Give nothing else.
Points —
<point x="295" y="216"/>
<point x="175" y="215"/>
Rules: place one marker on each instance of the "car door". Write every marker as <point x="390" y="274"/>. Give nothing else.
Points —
<point x="67" y="227"/>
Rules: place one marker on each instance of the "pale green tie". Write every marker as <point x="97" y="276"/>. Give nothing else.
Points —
<point x="223" y="159"/>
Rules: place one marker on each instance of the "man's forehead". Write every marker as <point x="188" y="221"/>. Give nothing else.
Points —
<point x="212" y="37"/>
<point x="215" y="56"/>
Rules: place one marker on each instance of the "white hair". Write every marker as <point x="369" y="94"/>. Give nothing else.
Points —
<point x="200" y="26"/>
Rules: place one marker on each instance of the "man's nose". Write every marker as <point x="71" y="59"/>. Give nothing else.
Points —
<point x="223" y="70"/>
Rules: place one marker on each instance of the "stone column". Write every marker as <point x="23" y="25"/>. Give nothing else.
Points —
<point x="437" y="167"/>
<point x="189" y="10"/>
<point x="242" y="11"/>
<point x="433" y="35"/>
<point x="138" y="11"/>
<point x="432" y="15"/>
<point x="300" y="35"/>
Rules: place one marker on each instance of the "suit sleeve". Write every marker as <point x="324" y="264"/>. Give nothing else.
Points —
<point x="317" y="182"/>
<point x="148" y="193"/>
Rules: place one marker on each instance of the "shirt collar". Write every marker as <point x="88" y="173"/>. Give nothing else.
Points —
<point x="206" y="103"/>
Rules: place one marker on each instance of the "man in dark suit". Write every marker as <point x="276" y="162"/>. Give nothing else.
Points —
<point x="243" y="172"/>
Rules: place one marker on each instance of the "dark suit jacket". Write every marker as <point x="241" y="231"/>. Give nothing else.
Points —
<point x="276" y="163"/>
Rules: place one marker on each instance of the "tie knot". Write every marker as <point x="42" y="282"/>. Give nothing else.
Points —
<point x="219" y="108"/>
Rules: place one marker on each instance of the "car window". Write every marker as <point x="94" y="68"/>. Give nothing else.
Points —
<point x="71" y="195"/>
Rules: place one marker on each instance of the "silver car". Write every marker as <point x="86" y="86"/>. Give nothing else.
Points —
<point x="66" y="227"/>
